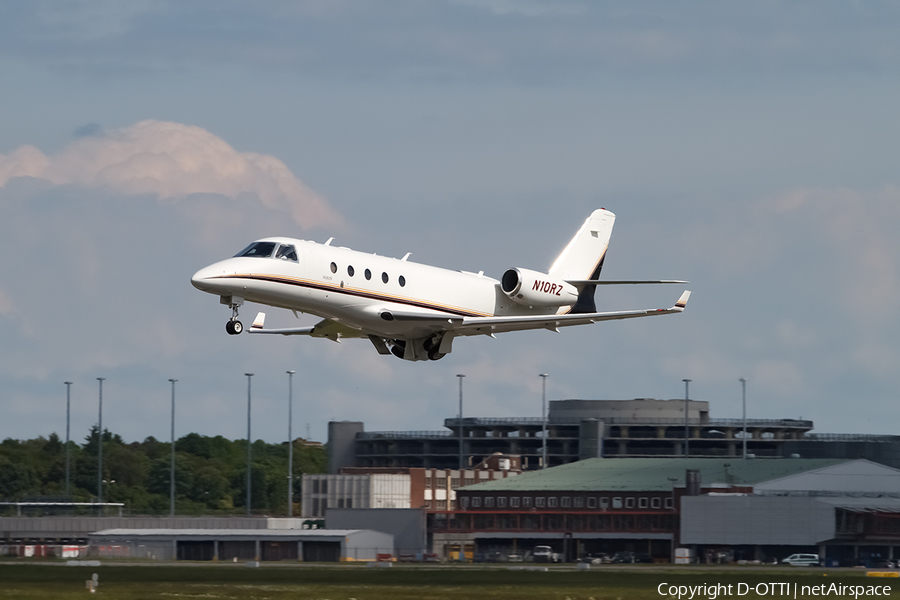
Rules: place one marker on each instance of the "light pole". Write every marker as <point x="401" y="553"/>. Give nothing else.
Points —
<point x="460" y="424"/>
<point x="100" y="448"/>
<point x="68" y="413"/>
<point x="290" y="505"/>
<point x="543" y="377"/>
<point x="744" y="418"/>
<point x="249" y="375"/>
<point x="687" y="434"/>
<point x="172" y="473"/>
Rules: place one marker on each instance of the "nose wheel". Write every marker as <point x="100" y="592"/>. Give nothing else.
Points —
<point x="233" y="326"/>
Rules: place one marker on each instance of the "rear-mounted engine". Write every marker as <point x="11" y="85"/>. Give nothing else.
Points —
<point x="532" y="288"/>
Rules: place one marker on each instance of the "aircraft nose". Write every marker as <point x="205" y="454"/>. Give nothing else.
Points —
<point x="202" y="279"/>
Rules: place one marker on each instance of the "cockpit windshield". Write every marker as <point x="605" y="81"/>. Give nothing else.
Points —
<point x="286" y="252"/>
<point x="258" y="250"/>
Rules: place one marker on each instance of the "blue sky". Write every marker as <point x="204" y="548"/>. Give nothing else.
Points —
<point x="751" y="148"/>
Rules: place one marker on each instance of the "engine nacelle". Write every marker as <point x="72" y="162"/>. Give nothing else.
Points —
<point x="532" y="288"/>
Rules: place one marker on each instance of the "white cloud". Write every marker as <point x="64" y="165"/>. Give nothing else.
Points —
<point x="171" y="161"/>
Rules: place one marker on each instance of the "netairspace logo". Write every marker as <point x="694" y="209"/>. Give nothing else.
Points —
<point x="788" y="590"/>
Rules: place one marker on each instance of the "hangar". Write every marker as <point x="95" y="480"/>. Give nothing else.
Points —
<point x="309" y="545"/>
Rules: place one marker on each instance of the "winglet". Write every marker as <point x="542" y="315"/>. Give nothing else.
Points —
<point x="682" y="302"/>
<point x="259" y="321"/>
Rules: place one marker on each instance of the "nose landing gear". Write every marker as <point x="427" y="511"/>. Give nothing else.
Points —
<point x="233" y="326"/>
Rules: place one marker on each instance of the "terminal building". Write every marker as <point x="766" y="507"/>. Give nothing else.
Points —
<point x="582" y="429"/>
<point x="846" y="511"/>
<point x="575" y="430"/>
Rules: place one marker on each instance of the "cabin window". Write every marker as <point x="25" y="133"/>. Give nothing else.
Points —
<point x="286" y="252"/>
<point x="333" y="268"/>
<point x="402" y="281"/>
<point x="384" y="277"/>
<point x="350" y="270"/>
<point x="368" y="274"/>
<point x="258" y="250"/>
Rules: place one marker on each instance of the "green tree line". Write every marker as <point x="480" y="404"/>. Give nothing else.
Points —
<point x="210" y="473"/>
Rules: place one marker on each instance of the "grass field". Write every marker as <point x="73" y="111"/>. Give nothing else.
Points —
<point x="226" y="581"/>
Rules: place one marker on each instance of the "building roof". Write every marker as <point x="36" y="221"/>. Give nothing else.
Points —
<point x="652" y="474"/>
<point x="219" y="533"/>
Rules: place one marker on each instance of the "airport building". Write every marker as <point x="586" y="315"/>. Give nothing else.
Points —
<point x="575" y="430"/>
<point x="714" y="509"/>
<point x="398" y="487"/>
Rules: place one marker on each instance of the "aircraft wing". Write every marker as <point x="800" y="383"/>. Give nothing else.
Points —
<point x="491" y="325"/>
<point x="325" y="328"/>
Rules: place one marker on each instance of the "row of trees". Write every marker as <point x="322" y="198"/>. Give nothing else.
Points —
<point x="210" y="473"/>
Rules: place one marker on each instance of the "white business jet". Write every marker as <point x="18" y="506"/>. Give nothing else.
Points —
<point x="411" y="310"/>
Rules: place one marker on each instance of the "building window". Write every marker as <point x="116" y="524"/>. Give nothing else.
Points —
<point x="476" y="502"/>
<point x="442" y="505"/>
<point x="464" y="502"/>
<point x="654" y="503"/>
<point x="592" y="502"/>
<point x="566" y="502"/>
<point x="470" y="481"/>
<point x="629" y="502"/>
<point x="643" y="502"/>
<point x="428" y="504"/>
<point x="514" y="502"/>
<point x="501" y="501"/>
<point x="489" y="502"/>
<point x="324" y="486"/>
<point x="669" y="503"/>
<point x="617" y="502"/>
<point x="540" y="502"/>
<point x="604" y="503"/>
<point x="440" y="483"/>
<point x="340" y="503"/>
<point x="315" y="486"/>
<point x="526" y="502"/>
<point x="454" y="483"/>
<point x="552" y="502"/>
<point x="579" y="501"/>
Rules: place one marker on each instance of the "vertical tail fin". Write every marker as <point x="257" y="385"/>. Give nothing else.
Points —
<point x="583" y="257"/>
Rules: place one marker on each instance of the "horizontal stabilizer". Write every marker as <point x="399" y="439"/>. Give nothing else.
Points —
<point x="581" y="282"/>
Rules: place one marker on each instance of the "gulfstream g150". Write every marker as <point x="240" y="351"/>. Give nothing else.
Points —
<point x="411" y="310"/>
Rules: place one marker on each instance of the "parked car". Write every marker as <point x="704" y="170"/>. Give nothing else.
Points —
<point x="514" y="558"/>
<point x="802" y="560"/>
<point x="623" y="557"/>
<point x="543" y="554"/>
